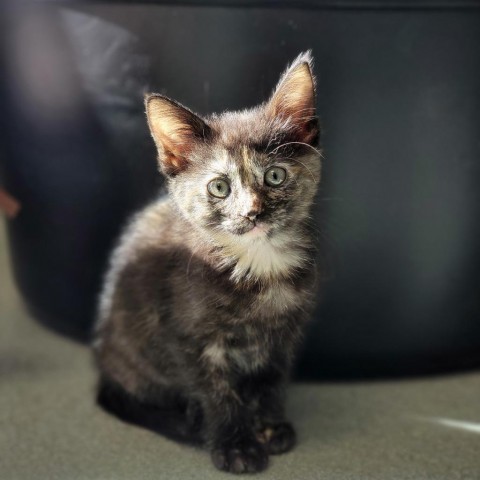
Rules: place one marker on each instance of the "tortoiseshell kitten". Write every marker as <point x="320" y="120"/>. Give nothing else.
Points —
<point x="209" y="288"/>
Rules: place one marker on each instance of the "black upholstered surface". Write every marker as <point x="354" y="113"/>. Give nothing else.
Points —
<point x="399" y="208"/>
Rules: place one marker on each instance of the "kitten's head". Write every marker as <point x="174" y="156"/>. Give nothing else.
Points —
<point x="248" y="175"/>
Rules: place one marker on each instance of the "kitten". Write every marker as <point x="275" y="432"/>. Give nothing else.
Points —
<point x="209" y="289"/>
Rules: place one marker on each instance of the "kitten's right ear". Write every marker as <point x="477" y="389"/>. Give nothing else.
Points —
<point x="176" y="131"/>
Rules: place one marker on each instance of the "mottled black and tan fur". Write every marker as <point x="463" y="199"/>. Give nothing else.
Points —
<point x="205" y="298"/>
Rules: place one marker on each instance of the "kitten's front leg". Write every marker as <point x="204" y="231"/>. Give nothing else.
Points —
<point x="272" y="429"/>
<point x="233" y="444"/>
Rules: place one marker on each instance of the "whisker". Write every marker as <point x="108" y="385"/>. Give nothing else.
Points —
<point x="298" y="143"/>
<point x="187" y="272"/>
<point x="315" y="180"/>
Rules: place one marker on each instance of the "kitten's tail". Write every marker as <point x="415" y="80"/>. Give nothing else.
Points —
<point x="174" y="417"/>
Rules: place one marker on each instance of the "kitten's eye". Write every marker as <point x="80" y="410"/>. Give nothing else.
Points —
<point x="218" y="188"/>
<point x="275" y="176"/>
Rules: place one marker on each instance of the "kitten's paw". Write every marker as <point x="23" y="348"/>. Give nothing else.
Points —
<point x="241" y="457"/>
<point x="278" y="438"/>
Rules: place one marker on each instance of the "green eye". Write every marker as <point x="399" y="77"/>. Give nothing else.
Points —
<point x="275" y="176"/>
<point x="218" y="188"/>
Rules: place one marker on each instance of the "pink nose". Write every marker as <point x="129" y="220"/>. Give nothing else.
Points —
<point x="253" y="213"/>
<point x="255" y="210"/>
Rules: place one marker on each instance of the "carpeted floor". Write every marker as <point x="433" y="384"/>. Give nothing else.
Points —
<point x="51" y="429"/>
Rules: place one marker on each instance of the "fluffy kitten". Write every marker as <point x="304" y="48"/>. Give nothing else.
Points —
<point x="209" y="288"/>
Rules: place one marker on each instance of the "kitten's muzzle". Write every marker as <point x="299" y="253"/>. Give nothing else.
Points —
<point x="253" y="214"/>
<point x="259" y="227"/>
<point x="244" y="226"/>
<point x="254" y="211"/>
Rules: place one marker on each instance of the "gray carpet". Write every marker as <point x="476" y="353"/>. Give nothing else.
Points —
<point x="50" y="427"/>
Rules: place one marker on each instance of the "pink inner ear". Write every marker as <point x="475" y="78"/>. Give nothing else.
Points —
<point x="178" y="141"/>
<point x="176" y="150"/>
<point x="175" y="129"/>
<point x="294" y="99"/>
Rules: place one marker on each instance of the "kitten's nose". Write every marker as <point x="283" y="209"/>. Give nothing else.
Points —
<point x="255" y="208"/>
<point x="253" y="214"/>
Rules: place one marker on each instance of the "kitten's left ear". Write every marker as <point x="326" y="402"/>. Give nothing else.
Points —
<point x="294" y="100"/>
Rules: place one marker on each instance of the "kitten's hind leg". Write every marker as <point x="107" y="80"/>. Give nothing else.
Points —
<point x="166" y="411"/>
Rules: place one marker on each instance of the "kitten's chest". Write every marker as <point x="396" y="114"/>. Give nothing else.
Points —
<point x="248" y="350"/>
<point x="255" y="328"/>
<point x="276" y="300"/>
<point x="244" y="327"/>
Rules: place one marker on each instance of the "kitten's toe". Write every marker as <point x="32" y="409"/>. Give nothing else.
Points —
<point x="244" y="457"/>
<point x="279" y="438"/>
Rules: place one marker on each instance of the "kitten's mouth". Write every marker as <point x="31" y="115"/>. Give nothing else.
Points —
<point x="258" y="229"/>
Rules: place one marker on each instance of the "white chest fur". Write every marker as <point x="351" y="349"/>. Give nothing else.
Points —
<point x="262" y="257"/>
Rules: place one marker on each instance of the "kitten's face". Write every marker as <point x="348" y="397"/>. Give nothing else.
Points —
<point x="246" y="192"/>
<point x="243" y="175"/>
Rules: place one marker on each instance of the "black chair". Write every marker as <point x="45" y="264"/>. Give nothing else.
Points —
<point x="399" y="208"/>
